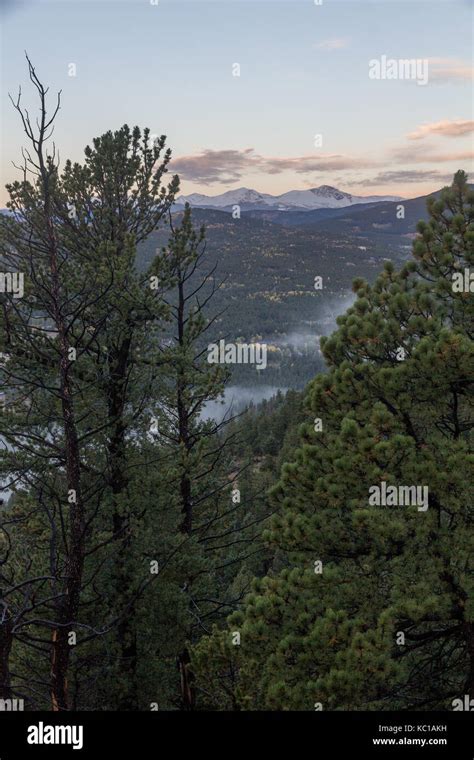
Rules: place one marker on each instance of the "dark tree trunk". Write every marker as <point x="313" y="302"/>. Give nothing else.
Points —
<point x="68" y="605"/>
<point x="183" y="422"/>
<point x="188" y="697"/>
<point x="126" y="630"/>
<point x="6" y="640"/>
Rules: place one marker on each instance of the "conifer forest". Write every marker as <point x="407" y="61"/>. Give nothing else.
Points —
<point x="236" y="362"/>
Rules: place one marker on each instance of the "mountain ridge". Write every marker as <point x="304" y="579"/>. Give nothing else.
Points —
<point x="322" y="197"/>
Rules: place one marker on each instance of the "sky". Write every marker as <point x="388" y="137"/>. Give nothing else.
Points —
<point x="242" y="88"/>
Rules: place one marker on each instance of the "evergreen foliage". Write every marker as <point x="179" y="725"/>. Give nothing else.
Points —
<point x="387" y="621"/>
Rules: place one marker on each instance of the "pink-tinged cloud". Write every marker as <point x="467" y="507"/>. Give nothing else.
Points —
<point x="404" y="176"/>
<point x="304" y="164"/>
<point x="450" y="70"/>
<point x="336" y="43"/>
<point x="228" y="166"/>
<point x="224" y="166"/>
<point x="419" y="154"/>
<point x="445" y="128"/>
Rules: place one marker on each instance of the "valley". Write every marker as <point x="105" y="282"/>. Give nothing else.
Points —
<point x="267" y="261"/>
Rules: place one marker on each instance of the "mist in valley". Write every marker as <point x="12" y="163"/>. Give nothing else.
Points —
<point x="301" y="342"/>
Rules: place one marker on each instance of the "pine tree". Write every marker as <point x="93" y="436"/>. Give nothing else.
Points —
<point x="78" y="368"/>
<point x="41" y="417"/>
<point x="373" y="606"/>
<point x="111" y="203"/>
<point x="199" y="531"/>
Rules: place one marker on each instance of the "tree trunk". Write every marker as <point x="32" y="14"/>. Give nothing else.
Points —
<point x="183" y="422"/>
<point x="188" y="697"/>
<point x="6" y="640"/>
<point x="67" y="606"/>
<point x="126" y="630"/>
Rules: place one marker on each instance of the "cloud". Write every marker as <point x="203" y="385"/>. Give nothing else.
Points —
<point x="306" y="164"/>
<point x="445" y="128"/>
<point x="404" y="176"/>
<point x="418" y="154"/>
<point x="224" y="166"/>
<point x="333" y="44"/>
<point x="228" y="166"/>
<point x="449" y="70"/>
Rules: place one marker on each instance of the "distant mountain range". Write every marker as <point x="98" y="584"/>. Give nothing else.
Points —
<point x="323" y="197"/>
<point x="355" y="216"/>
<point x="381" y="218"/>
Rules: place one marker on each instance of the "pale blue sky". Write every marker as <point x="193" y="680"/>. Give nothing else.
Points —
<point x="304" y="70"/>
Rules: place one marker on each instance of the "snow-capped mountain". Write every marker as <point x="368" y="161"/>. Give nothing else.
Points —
<point x="241" y="196"/>
<point x="318" y="197"/>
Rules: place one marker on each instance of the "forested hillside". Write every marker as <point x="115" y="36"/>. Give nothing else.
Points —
<point x="267" y="274"/>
